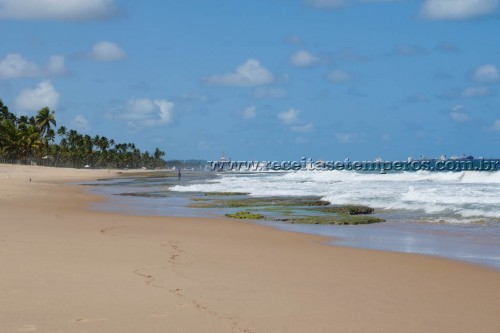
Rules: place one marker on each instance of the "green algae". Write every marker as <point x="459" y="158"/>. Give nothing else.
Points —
<point x="246" y="215"/>
<point x="348" y="209"/>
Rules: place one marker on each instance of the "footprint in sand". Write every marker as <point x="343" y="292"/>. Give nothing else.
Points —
<point x="175" y="253"/>
<point x="177" y="291"/>
<point x="150" y="279"/>
<point x="106" y="230"/>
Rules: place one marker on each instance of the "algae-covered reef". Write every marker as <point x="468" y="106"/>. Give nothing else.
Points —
<point x="300" y="210"/>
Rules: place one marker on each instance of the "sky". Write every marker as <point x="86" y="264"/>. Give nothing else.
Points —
<point x="262" y="79"/>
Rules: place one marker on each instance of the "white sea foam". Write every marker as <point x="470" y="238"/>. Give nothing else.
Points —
<point x="467" y="195"/>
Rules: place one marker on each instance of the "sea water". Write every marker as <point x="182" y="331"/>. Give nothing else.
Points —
<point x="448" y="214"/>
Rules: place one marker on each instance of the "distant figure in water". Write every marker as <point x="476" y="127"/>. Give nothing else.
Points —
<point x="179" y="174"/>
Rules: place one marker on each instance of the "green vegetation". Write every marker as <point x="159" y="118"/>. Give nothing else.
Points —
<point x="261" y="202"/>
<point x="341" y="219"/>
<point x="305" y="210"/>
<point x="348" y="209"/>
<point x="25" y="139"/>
<point x="245" y="215"/>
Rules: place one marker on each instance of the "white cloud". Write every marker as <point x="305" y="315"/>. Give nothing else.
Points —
<point x="476" y="92"/>
<point x="249" y="74"/>
<point x="303" y="58"/>
<point x="144" y="112"/>
<point x="56" y="65"/>
<point x="79" y="10"/>
<point x="15" y="66"/>
<point x="44" y="94"/>
<point x="270" y="93"/>
<point x="294" y="123"/>
<point x="289" y="117"/>
<point x="80" y="123"/>
<point x="457" y="9"/>
<point x="309" y="127"/>
<point x="326" y="3"/>
<point x="338" y="76"/>
<point x="457" y="108"/>
<point x="107" y="51"/>
<point x="496" y="125"/>
<point x="459" y="116"/>
<point x="469" y="92"/>
<point x="486" y="73"/>
<point x="250" y="112"/>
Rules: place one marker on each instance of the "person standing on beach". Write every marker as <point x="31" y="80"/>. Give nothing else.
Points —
<point x="179" y="175"/>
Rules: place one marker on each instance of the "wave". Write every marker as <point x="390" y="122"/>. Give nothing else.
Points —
<point x="465" y="195"/>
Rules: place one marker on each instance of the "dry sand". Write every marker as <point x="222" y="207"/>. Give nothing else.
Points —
<point x="65" y="268"/>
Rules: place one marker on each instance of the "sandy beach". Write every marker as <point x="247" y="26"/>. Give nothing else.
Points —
<point x="66" y="268"/>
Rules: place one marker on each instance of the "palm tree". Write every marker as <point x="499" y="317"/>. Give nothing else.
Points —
<point x="157" y="155"/>
<point x="29" y="139"/>
<point x="26" y="137"/>
<point x="22" y="120"/>
<point x="50" y="135"/>
<point x="61" y="131"/>
<point x="10" y="139"/>
<point x="5" y="114"/>
<point x="44" y="119"/>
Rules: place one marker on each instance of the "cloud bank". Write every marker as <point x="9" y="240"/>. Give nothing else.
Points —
<point x="251" y="73"/>
<point x="486" y="74"/>
<point x="32" y="100"/>
<point x="15" y="66"/>
<point x="144" y="112"/>
<point x="303" y="58"/>
<point x="457" y="9"/>
<point x="107" y="51"/>
<point x="67" y="10"/>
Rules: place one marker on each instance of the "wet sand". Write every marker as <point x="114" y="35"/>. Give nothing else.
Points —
<point x="66" y="268"/>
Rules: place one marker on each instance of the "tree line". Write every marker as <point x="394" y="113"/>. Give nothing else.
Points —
<point x="26" y="139"/>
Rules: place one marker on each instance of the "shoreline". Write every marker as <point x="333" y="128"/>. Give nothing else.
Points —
<point x="72" y="269"/>
<point x="448" y="240"/>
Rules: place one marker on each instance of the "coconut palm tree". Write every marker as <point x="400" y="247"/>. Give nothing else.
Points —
<point x="32" y="141"/>
<point x="5" y="114"/>
<point x="157" y="155"/>
<point x="61" y="131"/>
<point x="45" y="119"/>
<point x="10" y="140"/>
<point x="26" y="137"/>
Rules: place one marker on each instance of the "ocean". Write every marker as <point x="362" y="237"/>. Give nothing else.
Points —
<point x="449" y="214"/>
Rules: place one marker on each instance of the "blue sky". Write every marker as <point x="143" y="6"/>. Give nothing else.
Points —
<point x="262" y="79"/>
